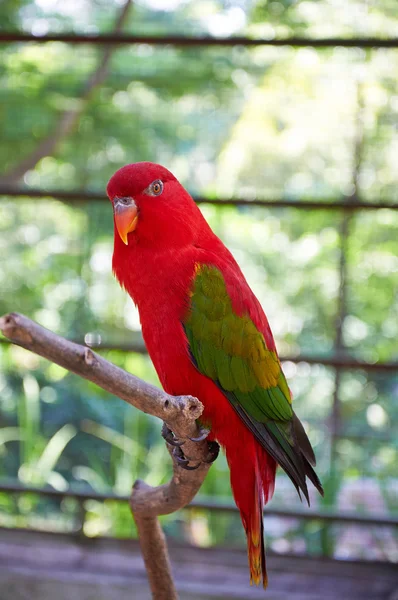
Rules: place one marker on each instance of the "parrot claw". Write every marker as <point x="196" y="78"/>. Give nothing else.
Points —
<point x="182" y="461"/>
<point x="214" y="450"/>
<point x="178" y="454"/>
<point x="203" y="433"/>
<point x="170" y="438"/>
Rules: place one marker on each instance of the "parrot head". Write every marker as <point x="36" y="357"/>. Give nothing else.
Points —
<point x="151" y="207"/>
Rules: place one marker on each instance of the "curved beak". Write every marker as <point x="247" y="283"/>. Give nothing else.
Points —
<point x="126" y="217"/>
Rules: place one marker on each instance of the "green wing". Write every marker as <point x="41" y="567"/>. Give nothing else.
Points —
<point x="231" y="351"/>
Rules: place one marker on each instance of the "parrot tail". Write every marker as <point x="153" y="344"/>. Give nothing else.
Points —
<point x="252" y="482"/>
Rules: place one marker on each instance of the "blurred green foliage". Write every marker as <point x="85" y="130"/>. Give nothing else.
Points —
<point x="255" y="123"/>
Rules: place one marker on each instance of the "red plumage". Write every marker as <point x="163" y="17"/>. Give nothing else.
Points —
<point x="156" y="268"/>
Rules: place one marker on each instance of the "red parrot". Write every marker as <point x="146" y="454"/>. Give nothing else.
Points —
<point x="208" y="336"/>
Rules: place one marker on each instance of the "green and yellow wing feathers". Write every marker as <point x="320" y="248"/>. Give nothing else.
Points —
<point x="229" y="349"/>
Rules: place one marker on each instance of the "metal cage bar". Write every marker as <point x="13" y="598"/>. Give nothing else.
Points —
<point x="204" y="40"/>
<point x="311" y="204"/>
<point x="204" y="504"/>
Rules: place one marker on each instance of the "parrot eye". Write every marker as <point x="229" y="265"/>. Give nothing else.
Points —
<point x="155" y="189"/>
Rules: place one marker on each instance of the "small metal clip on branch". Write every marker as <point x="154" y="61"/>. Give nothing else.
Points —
<point x="178" y="412"/>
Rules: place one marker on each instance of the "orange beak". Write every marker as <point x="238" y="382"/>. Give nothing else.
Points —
<point x="126" y="217"/>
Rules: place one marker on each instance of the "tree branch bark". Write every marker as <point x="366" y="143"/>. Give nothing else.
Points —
<point x="179" y="413"/>
<point x="69" y="118"/>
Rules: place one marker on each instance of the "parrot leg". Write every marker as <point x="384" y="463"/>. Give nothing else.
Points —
<point x="214" y="450"/>
<point x="169" y="436"/>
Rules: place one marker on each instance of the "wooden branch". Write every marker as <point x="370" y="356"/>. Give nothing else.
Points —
<point x="69" y="118"/>
<point x="156" y="557"/>
<point x="179" y="412"/>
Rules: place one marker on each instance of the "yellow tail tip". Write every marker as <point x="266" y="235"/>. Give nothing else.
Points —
<point x="256" y="580"/>
<point x="258" y="572"/>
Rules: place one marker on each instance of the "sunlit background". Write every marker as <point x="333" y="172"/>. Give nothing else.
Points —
<point x="296" y="127"/>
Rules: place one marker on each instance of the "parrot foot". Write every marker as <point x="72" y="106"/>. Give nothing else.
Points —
<point x="178" y="454"/>
<point x="182" y="461"/>
<point x="170" y="438"/>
